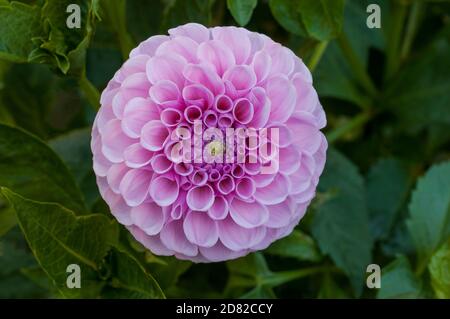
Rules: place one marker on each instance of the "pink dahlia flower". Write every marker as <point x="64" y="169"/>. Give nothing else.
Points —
<point x="222" y="78"/>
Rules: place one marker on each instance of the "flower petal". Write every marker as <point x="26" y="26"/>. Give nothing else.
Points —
<point x="200" y="229"/>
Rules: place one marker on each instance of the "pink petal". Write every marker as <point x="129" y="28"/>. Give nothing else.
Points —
<point x="203" y="74"/>
<point x="171" y="117"/>
<point x="166" y="67"/>
<point x="154" y="134"/>
<point x="248" y="215"/>
<point x="150" y="242"/>
<point x="245" y="187"/>
<point x="161" y="164"/>
<point x="223" y="104"/>
<point x="197" y="94"/>
<point x="219" y="210"/>
<point x="114" y="141"/>
<point x="134" y="186"/>
<point x="238" y="238"/>
<point x="200" y="198"/>
<point x="308" y="138"/>
<point x="200" y="229"/>
<point x="280" y="215"/>
<point x="216" y="53"/>
<point x="195" y="31"/>
<point x="242" y="77"/>
<point x="136" y="156"/>
<point x="226" y="184"/>
<point x="220" y="253"/>
<point x="193" y="113"/>
<point x="210" y="118"/>
<point x="166" y="94"/>
<point x="149" y="217"/>
<point x="281" y="94"/>
<point x="275" y="192"/>
<point x="119" y="209"/>
<point x="236" y="39"/>
<point x="243" y="111"/>
<point x="172" y="235"/>
<point x="164" y="190"/>
<point x="289" y="160"/>
<point x="137" y="113"/>
<point x="261" y="105"/>
<point x="261" y="65"/>
<point x="115" y="174"/>
<point x="149" y="46"/>
<point x="183" y="46"/>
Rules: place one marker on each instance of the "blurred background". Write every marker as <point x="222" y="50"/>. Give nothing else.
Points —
<point x="383" y="199"/>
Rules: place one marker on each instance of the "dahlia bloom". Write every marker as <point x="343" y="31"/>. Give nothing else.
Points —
<point x="222" y="78"/>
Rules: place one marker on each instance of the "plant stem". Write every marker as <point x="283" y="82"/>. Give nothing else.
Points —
<point x="411" y="28"/>
<point x="116" y="14"/>
<point x="317" y="55"/>
<point x="356" y="65"/>
<point x="394" y="37"/>
<point x="90" y="91"/>
<point x="281" y="277"/>
<point x="354" y="123"/>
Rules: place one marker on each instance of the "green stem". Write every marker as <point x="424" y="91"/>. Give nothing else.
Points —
<point x="317" y="55"/>
<point x="395" y="33"/>
<point x="356" y="65"/>
<point x="354" y="123"/>
<point x="281" y="277"/>
<point x="116" y="14"/>
<point x="411" y="28"/>
<point x="90" y="91"/>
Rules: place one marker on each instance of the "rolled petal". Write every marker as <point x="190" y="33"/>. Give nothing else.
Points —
<point x="181" y="45"/>
<point x="243" y="111"/>
<point x="261" y="65"/>
<point x="200" y="198"/>
<point x="210" y="118"/>
<point x="226" y="184"/>
<point x="280" y="215"/>
<point x="289" y="160"/>
<point x="166" y="93"/>
<point x="203" y="74"/>
<point x="193" y="113"/>
<point x="115" y="175"/>
<point x="164" y="190"/>
<point x="219" y="210"/>
<point x="197" y="94"/>
<point x="136" y="156"/>
<point x="161" y="164"/>
<point x="171" y="117"/>
<point x="245" y="188"/>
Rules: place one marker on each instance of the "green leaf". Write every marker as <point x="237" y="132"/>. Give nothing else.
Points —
<point x="75" y="150"/>
<point x="439" y="268"/>
<point x="429" y="222"/>
<point x="297" y="245"/>
<point x="242" y="10"/>
<point x="419" y="95"/>
<point x="19" y="24"/>
<point x="59" y="45"/>
<point x="319" y="19"/>
<point x="387" y="189"/>
<point x="33" y="170"/>
<point x="7" y="219"/>
<point x="398" y="281"/>
<point x="58" y="238"/>
<point x="341" y="225"/>
<point x="130" y="279"/>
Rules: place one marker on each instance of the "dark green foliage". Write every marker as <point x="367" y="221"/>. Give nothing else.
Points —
<point x="383" y="198"/>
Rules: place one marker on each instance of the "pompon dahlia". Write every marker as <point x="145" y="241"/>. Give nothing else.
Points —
<point x="200" y="84"/>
